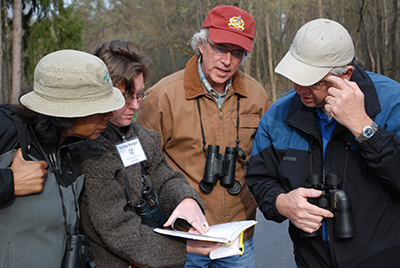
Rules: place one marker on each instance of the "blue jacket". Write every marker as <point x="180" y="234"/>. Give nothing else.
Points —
<point x="288" y="147"/>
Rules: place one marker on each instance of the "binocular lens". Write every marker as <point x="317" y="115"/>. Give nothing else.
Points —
<point x="141" y="206"/>
<point x="206" y="187"/>
<point x="235" y="189"/>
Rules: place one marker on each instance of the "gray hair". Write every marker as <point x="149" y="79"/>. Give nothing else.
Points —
<point x="338" y="71"/>
<point x="203" y="35"/>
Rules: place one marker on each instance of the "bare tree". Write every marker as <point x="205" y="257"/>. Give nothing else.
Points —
<point x="164" y="28"/>
<point x="6" y="89"/>
<point x="16" y="51"/>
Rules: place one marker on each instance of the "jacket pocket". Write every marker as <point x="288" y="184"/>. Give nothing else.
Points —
<point x="248" y="124"/>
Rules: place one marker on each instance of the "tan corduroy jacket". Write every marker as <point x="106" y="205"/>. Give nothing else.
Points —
<point x="171" y="109"/>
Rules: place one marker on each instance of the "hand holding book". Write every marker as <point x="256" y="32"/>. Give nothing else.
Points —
<point x="225" y="233"/>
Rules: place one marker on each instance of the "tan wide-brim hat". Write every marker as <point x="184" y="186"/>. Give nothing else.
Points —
<point x="71" y="83"/>
<point x="318" y="46"/>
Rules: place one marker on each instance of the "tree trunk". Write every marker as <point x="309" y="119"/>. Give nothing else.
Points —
<point x="320" y="8"/>
<point x="16" y="51"/>
<point x="393" y="40"/>
<point x="7" y="89"/>
<point x="270" y="64"/>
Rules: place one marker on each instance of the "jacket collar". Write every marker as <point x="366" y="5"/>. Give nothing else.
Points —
<point x="372" y="105"/>
<point x="302" y="117"/>
<point x="114" y="134"/>
<point x="194" y="88"/>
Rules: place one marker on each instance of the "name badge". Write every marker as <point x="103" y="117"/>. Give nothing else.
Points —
<point x="131" y="152"/>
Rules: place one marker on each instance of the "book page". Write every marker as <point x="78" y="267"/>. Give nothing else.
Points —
<point x="223" y="233"/>
<point x="225" y="250"/>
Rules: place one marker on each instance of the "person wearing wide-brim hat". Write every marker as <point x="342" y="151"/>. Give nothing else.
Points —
<point x="40" y="182"/>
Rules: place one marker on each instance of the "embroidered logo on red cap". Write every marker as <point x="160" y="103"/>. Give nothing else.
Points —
<point x="236" y="23"/>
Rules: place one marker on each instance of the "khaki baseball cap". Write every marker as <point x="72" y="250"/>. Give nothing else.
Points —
<point x="318" y="46"/>
<point x="71" y="83"/>
<point x="231" y="25"/>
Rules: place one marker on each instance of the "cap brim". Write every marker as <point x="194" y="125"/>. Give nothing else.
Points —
<point x="230" y="37"/>
<point x="69" y="108"/>
<point x="300" y="73"/>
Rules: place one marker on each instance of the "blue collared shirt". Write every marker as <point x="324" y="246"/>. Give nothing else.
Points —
<point x="216" y="96"/>
<point x="326" y="125"/>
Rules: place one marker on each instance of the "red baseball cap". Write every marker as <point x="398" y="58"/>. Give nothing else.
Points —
<point x="231" y="25"/>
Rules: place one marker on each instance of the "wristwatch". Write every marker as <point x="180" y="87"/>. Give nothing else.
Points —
<point x="367" y="132"/>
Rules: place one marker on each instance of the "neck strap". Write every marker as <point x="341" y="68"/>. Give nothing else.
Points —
<point x="240" y="152"/>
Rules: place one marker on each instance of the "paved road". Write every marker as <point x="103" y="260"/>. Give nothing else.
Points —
<point x="272" y="245"/>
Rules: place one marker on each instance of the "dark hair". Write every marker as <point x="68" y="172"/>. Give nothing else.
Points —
<point x="124" y="61"/>
<point x="48" y="129"/>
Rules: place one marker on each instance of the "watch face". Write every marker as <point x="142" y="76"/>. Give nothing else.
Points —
<point x="369" y="132"/>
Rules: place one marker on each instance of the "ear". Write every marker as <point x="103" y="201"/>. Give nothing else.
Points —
<point x="201" y="46"/>
<point x="347" y="75"/>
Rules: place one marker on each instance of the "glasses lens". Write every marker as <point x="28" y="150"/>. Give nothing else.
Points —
<point x="128" y="98"/>
<point x="142" y="96"/>
<point x="238" y="54"/>
<point x="139" y="97"/>
<point x="221" y="50"/>
<point x="318" y="85"/>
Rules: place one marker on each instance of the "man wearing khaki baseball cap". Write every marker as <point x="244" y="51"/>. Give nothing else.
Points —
<point x="209" y="103"/>
<point x="326" y="155"/>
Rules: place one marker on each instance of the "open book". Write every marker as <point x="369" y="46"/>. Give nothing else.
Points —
<point x="224" y="233"/>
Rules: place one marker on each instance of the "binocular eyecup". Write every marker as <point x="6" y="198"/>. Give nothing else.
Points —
<point x="220" y="167"/>
<point x="149" y="208"/>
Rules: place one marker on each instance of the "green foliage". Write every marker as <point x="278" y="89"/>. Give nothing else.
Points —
<point x="59" y="29"/>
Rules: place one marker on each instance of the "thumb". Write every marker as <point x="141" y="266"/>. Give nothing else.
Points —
<point x="18" y="156"/>
<point x="169" y="221"/>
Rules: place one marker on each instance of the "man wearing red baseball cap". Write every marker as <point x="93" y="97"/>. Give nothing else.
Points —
<point x="212" y="106"/>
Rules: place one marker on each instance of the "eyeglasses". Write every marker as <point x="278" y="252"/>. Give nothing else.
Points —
<point x="139" y="97"/>
<point x="220" y="50"/>
<point x="318" y="85"/>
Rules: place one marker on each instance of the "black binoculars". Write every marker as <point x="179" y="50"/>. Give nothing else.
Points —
<point x="220" y="167"/>
<point x="149" y="208"/>
<point x="334" y="199"/>
<point x="76" y="252"/>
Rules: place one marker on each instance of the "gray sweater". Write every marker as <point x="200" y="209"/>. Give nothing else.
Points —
<point x="117" y="237"/>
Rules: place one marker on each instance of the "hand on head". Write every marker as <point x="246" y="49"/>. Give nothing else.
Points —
<point x="346" y="104"/>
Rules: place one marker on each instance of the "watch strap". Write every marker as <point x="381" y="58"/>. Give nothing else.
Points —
<point x="366" y="132"/>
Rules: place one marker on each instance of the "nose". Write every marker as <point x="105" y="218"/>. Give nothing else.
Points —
<point x="135" y="104"/>
<point x="227" y="58"/>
